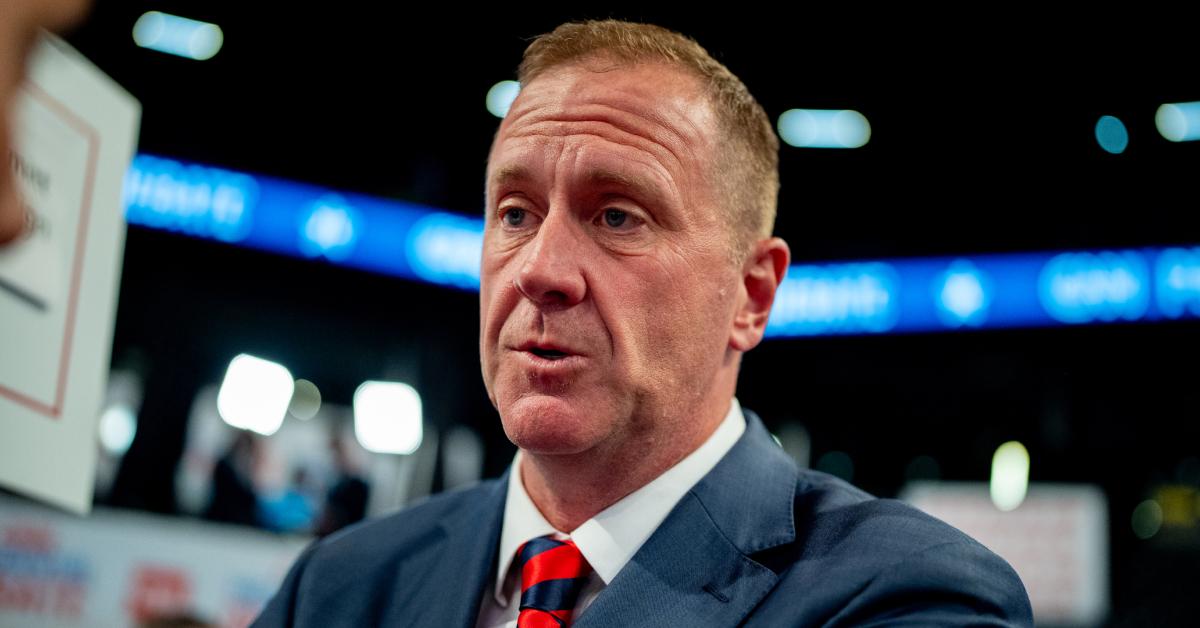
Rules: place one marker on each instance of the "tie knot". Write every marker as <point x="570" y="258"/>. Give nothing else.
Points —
<point x="553" y="573"/>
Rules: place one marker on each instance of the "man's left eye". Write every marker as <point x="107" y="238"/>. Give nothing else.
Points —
<point x="615" y="218"/>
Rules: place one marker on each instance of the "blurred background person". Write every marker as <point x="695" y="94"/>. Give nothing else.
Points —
<point x="346" y="501"/>
<point x="234" y="496"/>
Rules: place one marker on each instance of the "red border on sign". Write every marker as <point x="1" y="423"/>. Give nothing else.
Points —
<point x="54" y="410"/>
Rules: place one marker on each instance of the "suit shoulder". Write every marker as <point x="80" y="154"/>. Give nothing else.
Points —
<point x="838" y="513"/>
<point x="392" y="536"/>
<point x="858" y="558"/>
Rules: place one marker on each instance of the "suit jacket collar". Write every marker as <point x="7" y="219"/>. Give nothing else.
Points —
<point x="442" y="582"/>
<point x="697" y="567"/>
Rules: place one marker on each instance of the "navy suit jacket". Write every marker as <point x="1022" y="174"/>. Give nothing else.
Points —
<point x="757" y="542"/>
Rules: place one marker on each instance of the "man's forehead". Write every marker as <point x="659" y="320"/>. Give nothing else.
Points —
<point x="659" y="93"/>
<point x="644" y="103"/>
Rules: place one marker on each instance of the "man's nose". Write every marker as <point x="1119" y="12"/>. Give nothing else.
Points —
<point x="551" y="273"/>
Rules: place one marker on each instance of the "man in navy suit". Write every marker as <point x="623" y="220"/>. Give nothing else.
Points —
<point x="627" y="265"/>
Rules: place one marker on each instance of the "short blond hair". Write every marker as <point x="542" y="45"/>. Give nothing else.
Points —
<point x="748" y="158"/>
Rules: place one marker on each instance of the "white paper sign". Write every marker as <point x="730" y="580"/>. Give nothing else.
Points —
<point x="74" y="135"/>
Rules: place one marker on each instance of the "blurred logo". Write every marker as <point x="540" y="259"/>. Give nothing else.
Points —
<point x="836" y="299"/>
<point x="1078" y="288"/>
<point x="157" y="591"/>
<point x="195" y="200"/>
<point x="1178" y="282"/>
<point x="36" y="578"/>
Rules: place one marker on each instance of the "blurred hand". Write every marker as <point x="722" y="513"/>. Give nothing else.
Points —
<point x="19" y="24"/>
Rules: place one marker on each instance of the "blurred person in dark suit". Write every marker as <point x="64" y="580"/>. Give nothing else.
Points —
<point x="627" y="265"/>
<point x="234" y="498"/>
<point x="346" y="502"/>
<point x="20" y="21"/>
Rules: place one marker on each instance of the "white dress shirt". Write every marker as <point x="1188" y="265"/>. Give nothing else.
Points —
<point x="607" y="540"/>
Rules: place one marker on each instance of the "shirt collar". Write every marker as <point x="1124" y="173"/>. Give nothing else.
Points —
<point x="610" y="539"/>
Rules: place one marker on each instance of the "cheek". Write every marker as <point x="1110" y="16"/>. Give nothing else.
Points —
<point x="647" y="318"/>
<point x="496" y="301"/>
<point x="685" y="320"/>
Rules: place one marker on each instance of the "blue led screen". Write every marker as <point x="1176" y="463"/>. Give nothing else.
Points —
<point x="862" y="297"/>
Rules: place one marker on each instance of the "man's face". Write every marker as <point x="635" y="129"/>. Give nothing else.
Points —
<point x="608" y="289"/>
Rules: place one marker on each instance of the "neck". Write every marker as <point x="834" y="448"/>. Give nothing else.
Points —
<point x="570" y="489"/>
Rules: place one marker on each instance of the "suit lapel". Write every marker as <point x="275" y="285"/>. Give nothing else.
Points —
<point x="441" y="582"/>
<point x="696" y="567"/>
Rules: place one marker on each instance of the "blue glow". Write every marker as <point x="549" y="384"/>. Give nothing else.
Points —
<point x="178" y="36"/>
<point x="385" y="236"/>
<point x="1111" y="134"/>
<point x="501" y="96"/>
<point x="1177" y="278"/>
<point x="1179" y="122"/>
<point x="963" y="294"/>
<point x="824" y="128"/>
<point x="1089" y="287"/>
<point x="445" y="248"/>
<point x="855" y="297"/>
<point x="835" y="299"/>
<point x="329" y="229"/>
<point x="195" y="200"/>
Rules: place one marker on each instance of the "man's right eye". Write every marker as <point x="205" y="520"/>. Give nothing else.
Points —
<point x="514" y="216"/>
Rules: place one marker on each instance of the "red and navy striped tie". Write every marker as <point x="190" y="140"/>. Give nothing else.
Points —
<point x="552" y="575"/>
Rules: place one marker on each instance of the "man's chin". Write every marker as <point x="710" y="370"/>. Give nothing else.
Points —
<point x="545" y="424"/>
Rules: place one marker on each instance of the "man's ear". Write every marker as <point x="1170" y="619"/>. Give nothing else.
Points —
<point x="762" y="273"/>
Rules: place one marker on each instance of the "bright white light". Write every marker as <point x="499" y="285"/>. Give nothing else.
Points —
<point x="178" y="36"/>
<point x="118" y="426"/>
<point x="255" y="394"/>
<point x="1179" y="122"/>
<point x="824" y="128"/>
<point x="387" y="417"/>
<point x="501" y="96"/>
<point x="1010" y="475"/>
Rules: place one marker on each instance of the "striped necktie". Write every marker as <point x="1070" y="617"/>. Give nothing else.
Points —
<point x="552" y="575"/>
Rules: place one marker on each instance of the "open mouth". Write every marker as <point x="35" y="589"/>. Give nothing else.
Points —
<point x="547" y="354"/>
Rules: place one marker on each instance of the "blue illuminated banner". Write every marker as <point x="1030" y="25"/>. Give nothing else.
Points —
<point x="385" y="236"/>
<point x="988" y="291"/>
<point x="867" y="297"/>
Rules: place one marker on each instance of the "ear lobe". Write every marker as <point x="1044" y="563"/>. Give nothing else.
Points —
<point x="761" y="275"/>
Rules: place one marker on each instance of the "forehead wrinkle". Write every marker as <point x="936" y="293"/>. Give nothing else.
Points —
<point x="615" y="125"/>
<point x="666" y="157"/>
<point x="610" y="168"/>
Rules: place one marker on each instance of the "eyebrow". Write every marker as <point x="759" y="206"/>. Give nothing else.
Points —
<point x="511" y="173"/>
<point x="644" y="187"/>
